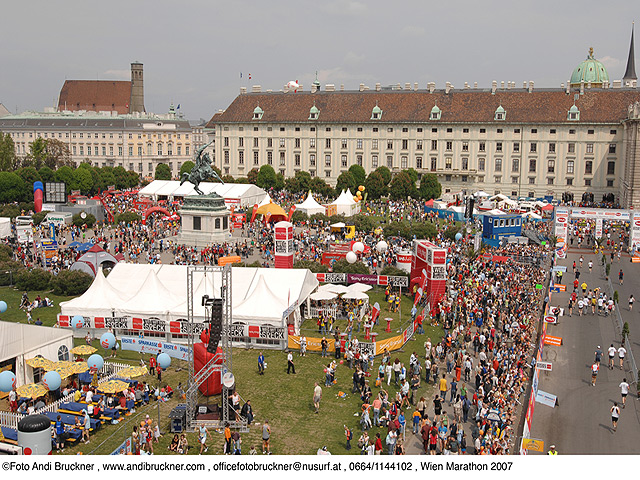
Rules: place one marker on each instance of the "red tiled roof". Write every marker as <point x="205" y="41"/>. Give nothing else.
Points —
<point x="465" y="106"/>
<point x="96" y="95"/>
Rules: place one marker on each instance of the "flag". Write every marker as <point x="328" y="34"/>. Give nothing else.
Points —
<point x="178" y="107"/>
<point x="293" y="209"/>
<point x="240" y="74"/>
<point x="418" y="297"/>
<point x="249" y="76"/>
<point x="375" y="311"/>
<point x="254" y="213"/>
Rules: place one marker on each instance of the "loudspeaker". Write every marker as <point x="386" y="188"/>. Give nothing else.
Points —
<point x="215" y="329"/>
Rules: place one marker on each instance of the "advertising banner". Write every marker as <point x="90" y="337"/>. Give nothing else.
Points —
<point x="635" y="231"/>
<point x="155" y="347"/>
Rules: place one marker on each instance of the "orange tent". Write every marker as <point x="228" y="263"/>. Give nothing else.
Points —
<point x="274" y="212"/>
<point x="222" y="261"/>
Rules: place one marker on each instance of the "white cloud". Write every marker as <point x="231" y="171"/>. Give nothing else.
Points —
<point x="413" y="31"/>
<point x="611" y="62"/>
<point x="352" y="58"/>
<point x="118" y="74"/>
<point x="342" y="7"/>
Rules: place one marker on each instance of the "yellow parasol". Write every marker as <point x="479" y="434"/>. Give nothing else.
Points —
<point x="132" y="372"/>
<point x="32" y="390"/>
<point x="40" y="362"/>
<point x="60" y="364"/>
<point x="83" y="350"/>
<point x="113" y="386"/>
<point x="79" y="367"/>
<point x="63" y="371"/>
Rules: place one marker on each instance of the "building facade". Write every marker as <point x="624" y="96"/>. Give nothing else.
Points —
<point x="522" y="142"/>
<point x="136" y="142"/>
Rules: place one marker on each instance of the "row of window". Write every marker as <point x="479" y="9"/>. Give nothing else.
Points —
<point x="404" y="162"/>
<point x="80" y="149"/>
<point x="98" y="135"/>
<point x="482" y="146"/>
<point x="534" y="131"/>
<point x="516" y="181"/>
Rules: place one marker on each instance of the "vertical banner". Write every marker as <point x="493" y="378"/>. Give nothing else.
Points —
<point x="599" y="223"/>
<point x="561" y="224"/>
<point x="635" y="231"/>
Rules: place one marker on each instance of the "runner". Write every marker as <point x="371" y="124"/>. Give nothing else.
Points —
<point x="594" y="372"/>
<point x="624" y="391"/>
<point x="612" y="355"/>
<point x="621" y="353"/>
<point x="631" y="300"/>
<point x="615" y="415"/>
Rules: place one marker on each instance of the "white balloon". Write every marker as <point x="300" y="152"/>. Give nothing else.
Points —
<point x="351" y="257"/>
<point x="358" y="247"/>
<point x="382" y="246"/>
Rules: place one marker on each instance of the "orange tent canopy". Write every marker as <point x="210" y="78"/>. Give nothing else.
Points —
<point x="271" y="208"/>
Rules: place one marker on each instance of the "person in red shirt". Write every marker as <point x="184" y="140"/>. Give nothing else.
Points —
<point x="377" y="447"/>
<point x="152" y="365"/>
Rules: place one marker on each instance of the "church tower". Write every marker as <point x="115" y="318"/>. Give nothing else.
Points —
<point x="137" y="88"/>
<point x="630" y="74"/>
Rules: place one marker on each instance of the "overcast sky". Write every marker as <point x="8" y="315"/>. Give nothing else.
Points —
<point x="194" y="50"/>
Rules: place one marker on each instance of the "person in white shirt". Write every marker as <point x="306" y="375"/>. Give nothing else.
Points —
<point x="290" y="365"/>
<point x="624" y="391"/>
<point x="621" y="353"/>
<point x="612" y="354"/>
<point x="88" y="396"/>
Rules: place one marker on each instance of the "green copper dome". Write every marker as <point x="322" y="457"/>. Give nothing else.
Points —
<point x="591" y="70"/>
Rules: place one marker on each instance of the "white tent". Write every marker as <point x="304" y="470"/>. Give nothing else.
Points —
<point x="359" y="287"/>
<point x="310" y="206"/>
<point x="160" y="292"/>
<point x="346" y="205"/>
<point x="21" y="342"/>
<point x="356" y="296"/>
<point x="265" y="201"/>
<point x="5" y="227"/>
<point x="238" y="194"/>
<point x="323" y="295"/>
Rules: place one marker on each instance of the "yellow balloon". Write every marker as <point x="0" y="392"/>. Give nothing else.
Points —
<point x="355" y="198"/>
<point x="361" y="188"/>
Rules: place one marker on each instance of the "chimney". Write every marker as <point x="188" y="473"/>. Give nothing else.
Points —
<point x="582" y="88"/>
<point x="256" y="89"/>
<point x="313" y="88"/>
<point x="466" y="85"/>
<point x="589" y="85"/>
<point x="243" y="90"/>
<point x="330" y="87"/>
<point x="530" y="86"/>
<point x="475" y="84"/>
<point x="361" y="87"/>
<point x="568" y="86"/>
<point x="407" y="86"/>
<point x="136" y="103"/>
<point x="502" y="85"/>
<point x="415" y="87"/>
<point x="494" y="87"/>
<point x="366" y="88"/>
<point x="431" y="86"/>
<point x="378" y="87"/>
<point x="447" y="87"/>
<point x="524" y="84"/>
<point x="342" y="87"/>
<point x="617" y="83"/>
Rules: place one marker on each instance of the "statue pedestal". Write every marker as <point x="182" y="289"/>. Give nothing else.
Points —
<point x="205" y="220"/>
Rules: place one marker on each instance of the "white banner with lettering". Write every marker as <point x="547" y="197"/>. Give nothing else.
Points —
<point x="149" y="345"/>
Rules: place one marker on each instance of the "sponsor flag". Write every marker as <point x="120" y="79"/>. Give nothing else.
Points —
<point x="254" y="213"/>
<point x="375" y="311"/>
<point x="293" y="209"/>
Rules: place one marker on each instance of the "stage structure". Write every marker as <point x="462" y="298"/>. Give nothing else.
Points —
<point x="220" y="362"/>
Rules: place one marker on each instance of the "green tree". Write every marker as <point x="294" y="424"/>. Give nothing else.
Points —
<point x="47" y="174"/>
<point x="11" y="187"/>
<point x="386" y="174"/>
<point x="266" y="177"/>
<point x="56" y="154"/>
<point x="162" y="172"/>
<point x="375" y="185"/>
<point x="243" y="180"/>
<point x="133" y="179"/>
<point x="363" y="223"/>
<point x="299" y="216"/>
<point x="127" y="217"/>
<point x="315" y="267"/>
<point x="88" y="220"/>
<point x="71" y="282"/>
<point x="37" y="153"/>
<point x="393" y="272"/>
<point x="8" y="157"/>
<point x="401" y="186"/>
<point x="342" y="266"/>
<point x="83" y="180"/>
<point x="228" y="179"/>
<point x="65" y="174"/>
<point x="186" y="167"/>
<point x="279" y="182"/>
<point x="426" y="230"/>
<point x="430" y="186"/>
<point x="358" y="174"/>
<point x="252" y="176"/>
<point x="412" y="174"/>
<point x="318" y="185"/>
<point x="106" y="178"/>
<point x="345" y="182"/>
<point x="29" y="175"/>
<point x="122" y="177"/>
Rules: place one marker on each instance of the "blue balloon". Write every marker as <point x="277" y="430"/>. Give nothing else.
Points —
<point x="164" y="360"/>
<point x="95" y="361"/>
<point x="3" y="306"/>
<point x="52" y="380"/>
<point x="458" y="237"/>
<point x="37" y="186"/>
<point x="7" y="381"/>
<point x="77" y="321"/>
<point x="107" y="340"/>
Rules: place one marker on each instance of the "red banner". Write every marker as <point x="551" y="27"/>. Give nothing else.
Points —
<point x="254" y="213"/>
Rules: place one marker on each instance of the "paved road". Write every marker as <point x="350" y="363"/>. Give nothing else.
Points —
<point x="581" y="422"/>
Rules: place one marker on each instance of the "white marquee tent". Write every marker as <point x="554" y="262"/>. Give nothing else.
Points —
<point x="21" y="342"/>
<point x="310" y="206"/>
<point x="239" y="194"/>
<point x="346" y="205"/>
<point x="5" y="227"/>
<point x="260" y="296"/>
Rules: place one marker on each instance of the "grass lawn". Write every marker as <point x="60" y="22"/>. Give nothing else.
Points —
<point x="285" y="400"/>
<point x="14" y="314"/>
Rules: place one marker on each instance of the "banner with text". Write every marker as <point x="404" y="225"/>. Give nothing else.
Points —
<point x="144" y="345"/>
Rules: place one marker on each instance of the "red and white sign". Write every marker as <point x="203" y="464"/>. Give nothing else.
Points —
<point x="544" y="366"/>
<point x="283" y="248"/>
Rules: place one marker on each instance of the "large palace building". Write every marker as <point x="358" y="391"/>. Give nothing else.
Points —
<point x="519" y="141"/>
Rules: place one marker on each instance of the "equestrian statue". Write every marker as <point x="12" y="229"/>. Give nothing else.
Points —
<point x="201" y="171"/>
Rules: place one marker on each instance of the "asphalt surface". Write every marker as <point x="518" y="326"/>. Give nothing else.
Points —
<point x="581" y="421"/>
